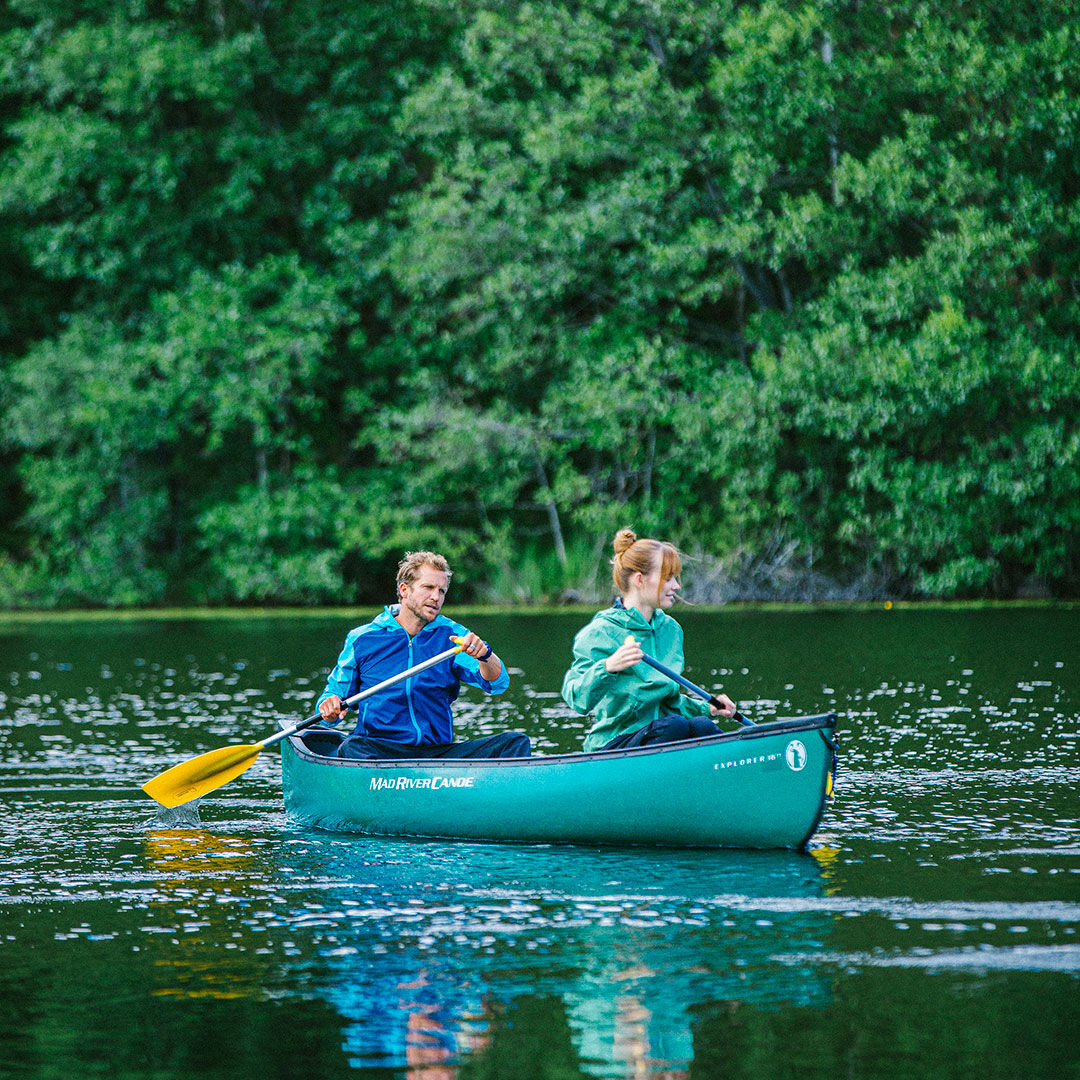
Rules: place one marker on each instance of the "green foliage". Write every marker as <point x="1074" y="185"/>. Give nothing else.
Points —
<point x="286" y="290"/>
<point x="276" y="546"/>
<point x="87" y="420"/>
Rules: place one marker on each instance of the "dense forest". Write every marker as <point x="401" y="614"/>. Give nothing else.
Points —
<point x="289" y="288"/>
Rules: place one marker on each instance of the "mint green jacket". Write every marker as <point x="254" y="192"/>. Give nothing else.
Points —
<point x="627" y="700"/>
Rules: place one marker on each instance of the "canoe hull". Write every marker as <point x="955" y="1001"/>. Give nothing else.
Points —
<point x="759" y="787"/>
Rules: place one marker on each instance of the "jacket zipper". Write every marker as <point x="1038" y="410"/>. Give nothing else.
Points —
<point x="408" y="689"/>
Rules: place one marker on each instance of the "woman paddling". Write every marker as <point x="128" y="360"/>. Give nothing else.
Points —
<point x="631" y="703"/>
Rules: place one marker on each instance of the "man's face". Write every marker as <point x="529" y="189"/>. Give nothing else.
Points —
<point x="424" y="597"/>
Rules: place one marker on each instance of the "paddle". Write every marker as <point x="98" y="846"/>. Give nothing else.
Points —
<point x="201" y="775"/>
<point x="711" y="699"/>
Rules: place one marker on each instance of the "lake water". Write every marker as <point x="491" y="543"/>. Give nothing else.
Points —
<point x="931" y="929"/>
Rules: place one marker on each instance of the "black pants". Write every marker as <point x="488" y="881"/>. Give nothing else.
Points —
<point x="664" y="729"/>
<point x="505" y="744"/>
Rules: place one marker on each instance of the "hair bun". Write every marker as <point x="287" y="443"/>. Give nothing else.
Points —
<point x="624" y="538"/>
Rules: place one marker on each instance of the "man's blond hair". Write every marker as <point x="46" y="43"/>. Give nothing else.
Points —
<point x="409" y="568"/>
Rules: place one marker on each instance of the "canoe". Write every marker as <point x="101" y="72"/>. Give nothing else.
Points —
<point x="764" y="786"/>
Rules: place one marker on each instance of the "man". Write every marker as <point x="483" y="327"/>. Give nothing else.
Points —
<point x="413" y="718"/>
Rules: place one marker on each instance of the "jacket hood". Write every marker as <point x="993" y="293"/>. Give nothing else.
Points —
<point x="630" y="618"/>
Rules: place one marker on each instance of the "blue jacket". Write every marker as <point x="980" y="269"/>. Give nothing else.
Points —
<point x="416" y="711"/>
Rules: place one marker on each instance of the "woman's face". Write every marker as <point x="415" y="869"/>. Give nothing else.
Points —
<point x="661" y="593"/>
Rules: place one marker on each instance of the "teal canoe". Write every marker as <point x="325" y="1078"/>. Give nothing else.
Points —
<point x="764" y="786"/>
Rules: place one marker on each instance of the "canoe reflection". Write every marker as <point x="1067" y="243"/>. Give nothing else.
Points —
<point x="596" y="962"/>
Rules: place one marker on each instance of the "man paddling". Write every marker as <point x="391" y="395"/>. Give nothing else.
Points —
<point x="414" y="719"/>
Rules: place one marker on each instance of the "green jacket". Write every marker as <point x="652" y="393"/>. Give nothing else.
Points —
<point x="629" y="699"/>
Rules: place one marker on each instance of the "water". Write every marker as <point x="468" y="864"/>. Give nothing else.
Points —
<point x="932" y="929"/>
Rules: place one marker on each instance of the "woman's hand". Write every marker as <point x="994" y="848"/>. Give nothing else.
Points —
<point x="728" y="709"/>
<point x="625" y="656"/>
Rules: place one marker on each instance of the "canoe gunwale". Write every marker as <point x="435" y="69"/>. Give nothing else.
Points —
<point x="825" y="723"/>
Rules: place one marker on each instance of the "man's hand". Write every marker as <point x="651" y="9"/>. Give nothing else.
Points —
<point x="332" y="708"/>
<point x="475" y="646"/>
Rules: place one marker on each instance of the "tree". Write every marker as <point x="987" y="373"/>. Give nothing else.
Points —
<point x="295" y="287"/>
<point x="174" y="178"/>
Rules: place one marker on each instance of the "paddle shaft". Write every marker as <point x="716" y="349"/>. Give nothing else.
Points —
<point x="408" y="674"/>
<point x="674" y="675"/>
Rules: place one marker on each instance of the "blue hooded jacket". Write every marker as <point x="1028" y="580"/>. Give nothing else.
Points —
<point x="416" y="711"/>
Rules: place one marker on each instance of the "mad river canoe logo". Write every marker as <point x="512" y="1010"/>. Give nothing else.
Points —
<point x="429" y="783"/>
<point x="795" y="755"/>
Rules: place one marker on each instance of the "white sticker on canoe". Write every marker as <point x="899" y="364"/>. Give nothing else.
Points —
<point x="757" y="759"/>
<point x="429" y="783"/>
<point x="795" y="755"/>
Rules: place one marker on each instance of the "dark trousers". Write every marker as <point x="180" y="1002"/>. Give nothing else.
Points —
<point x="664" y="729"/>
<point x="504" y="744"/>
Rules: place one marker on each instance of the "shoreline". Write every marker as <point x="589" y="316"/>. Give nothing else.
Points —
<point x="166" y="614"/>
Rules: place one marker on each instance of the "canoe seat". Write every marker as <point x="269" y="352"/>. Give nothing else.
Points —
<point x="322" y="741"/>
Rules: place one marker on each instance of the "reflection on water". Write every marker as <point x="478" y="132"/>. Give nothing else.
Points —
<point x="429" y="951"/>
<point x="196" y="874"/>
<point x="938" y="913"/>
<point x="626" y="944"/>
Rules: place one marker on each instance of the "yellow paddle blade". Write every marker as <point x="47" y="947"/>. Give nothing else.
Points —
<point x="195" y="778"/>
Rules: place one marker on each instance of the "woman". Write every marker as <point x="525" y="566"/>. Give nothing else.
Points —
<point x="633" y="704"/>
